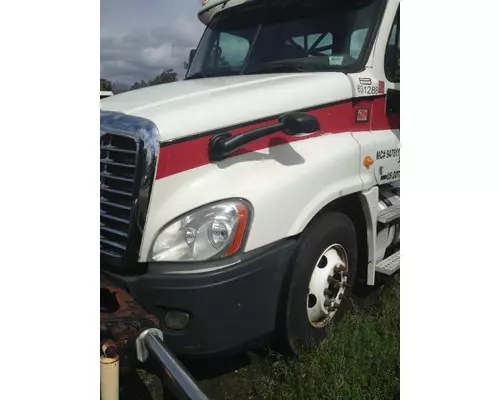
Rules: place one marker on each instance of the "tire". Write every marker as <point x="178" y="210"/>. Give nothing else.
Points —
<point x="298" y="334"/>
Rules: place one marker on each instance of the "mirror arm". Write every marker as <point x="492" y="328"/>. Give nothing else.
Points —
<point x="292" y="124"/>
<point x="240" y="140"/>
<point x="223" y="144"/>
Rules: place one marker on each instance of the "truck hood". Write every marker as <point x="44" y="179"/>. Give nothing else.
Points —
<point x="190" y="107"/>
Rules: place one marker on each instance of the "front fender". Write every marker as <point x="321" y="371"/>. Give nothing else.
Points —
<point x="287" y="185"/>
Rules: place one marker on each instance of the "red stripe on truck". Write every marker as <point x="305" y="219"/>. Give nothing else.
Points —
<point x="188" y="153"/>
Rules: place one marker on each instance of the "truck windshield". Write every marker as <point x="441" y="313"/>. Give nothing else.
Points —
<point x="286" y="36"/>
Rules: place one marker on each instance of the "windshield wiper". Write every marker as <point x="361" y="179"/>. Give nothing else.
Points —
<point x="281" y="67"/>
<point x="198" y="75"/>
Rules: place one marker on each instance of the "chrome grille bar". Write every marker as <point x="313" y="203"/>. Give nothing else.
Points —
<point x="129" y="151"/>
<point x="114" y="234"/>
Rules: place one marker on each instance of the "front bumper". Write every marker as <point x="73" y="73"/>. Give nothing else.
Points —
<point x="230" y="309"/>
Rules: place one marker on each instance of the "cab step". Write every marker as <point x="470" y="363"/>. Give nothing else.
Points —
<point x="390" y="265"/>
<point x="389" y="214"/>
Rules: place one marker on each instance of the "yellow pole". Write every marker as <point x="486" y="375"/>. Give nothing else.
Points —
<point x="110" y="367"/>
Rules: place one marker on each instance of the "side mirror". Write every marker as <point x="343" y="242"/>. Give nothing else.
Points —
<point x="392" y="103"/>
<point x="298" y="124"/>
<point x="293" y="124"/>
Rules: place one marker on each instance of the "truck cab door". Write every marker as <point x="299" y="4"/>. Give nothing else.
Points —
<point x="386" y="111"/>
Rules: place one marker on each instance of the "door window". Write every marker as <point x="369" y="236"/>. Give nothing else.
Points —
<point x="391" y="64"/>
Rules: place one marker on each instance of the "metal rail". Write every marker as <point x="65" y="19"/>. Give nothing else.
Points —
<point x="180" y="382"/>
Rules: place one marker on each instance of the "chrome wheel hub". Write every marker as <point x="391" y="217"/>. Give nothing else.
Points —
<point x="327" y="285"/>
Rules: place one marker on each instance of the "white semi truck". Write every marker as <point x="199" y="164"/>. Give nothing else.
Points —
<point x="242" y="205"/>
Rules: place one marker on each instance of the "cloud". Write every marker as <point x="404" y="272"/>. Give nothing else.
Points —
<point x="142" y="53"/>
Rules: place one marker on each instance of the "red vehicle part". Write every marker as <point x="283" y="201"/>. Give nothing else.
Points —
<point x="125" y="328"/>
<point x="122" y="320"/>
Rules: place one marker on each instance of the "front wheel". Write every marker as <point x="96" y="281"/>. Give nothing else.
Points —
<point x="319" y="281"/>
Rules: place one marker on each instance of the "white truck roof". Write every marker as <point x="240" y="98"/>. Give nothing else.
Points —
<point x="211" y="7"/>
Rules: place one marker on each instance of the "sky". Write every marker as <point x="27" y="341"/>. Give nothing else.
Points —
<point x="140" y="38"/>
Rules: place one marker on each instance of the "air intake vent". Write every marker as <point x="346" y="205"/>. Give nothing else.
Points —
<point x="118" y="175"/>
<point x="129" y="153"/>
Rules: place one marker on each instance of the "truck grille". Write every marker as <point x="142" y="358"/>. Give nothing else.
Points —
<point x="119" y="160"/>
<point x="129" y="154"/>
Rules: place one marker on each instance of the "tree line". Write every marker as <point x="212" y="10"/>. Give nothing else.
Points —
<point x="168" y="75"/>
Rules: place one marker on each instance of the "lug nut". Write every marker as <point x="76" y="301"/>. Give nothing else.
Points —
<point x="340" y="268"/>
<point x="328" y="293"/>
<point x="341" y="296"/>
<point x="332" y="280"/>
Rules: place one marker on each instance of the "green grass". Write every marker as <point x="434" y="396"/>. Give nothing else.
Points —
<point x="359" y="360"/>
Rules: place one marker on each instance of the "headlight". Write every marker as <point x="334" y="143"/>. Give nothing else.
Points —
<point x="213" y="231"/>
